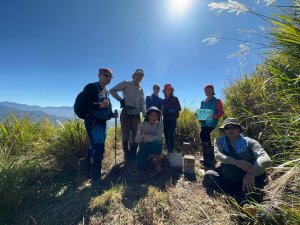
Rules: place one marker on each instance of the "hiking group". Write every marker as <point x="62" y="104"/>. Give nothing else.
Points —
<point x="241" y="171"/>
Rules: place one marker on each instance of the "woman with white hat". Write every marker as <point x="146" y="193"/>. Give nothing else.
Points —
<point x="149" y="137"/>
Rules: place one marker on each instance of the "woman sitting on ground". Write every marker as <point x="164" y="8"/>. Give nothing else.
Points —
<point x="243" y="162"/>
<point x="149" y="137"/>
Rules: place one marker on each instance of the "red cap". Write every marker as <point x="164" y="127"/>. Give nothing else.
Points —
<point x="210" y="86"/>
<point x="167" y="86"/>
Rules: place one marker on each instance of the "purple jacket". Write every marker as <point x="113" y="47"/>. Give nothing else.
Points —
<point x="171" y="108"/>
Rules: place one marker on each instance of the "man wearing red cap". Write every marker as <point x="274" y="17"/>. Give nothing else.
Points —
<point x="98" y="106"/>
<point x="208" y="125"/>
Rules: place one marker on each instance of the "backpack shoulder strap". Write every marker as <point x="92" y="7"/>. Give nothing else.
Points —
<point x="211" y="102"/>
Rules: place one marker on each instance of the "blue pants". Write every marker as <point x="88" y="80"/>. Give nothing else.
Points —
<point x="146" y="149"/>
<point x="96" y="131"/>
<point x="169" y="131"/>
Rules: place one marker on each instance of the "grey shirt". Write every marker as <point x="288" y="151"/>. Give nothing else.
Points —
<point x="258" y="154"/>
<point x="133" y="96"/>
<point x="152" y="132"/>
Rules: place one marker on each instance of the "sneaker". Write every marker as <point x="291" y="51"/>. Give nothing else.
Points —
<point x="250" y="209"/>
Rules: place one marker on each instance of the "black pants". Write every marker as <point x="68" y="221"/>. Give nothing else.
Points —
<point x="169" y="131"/>
<point x="205" y="134"/>
<point x="235" y="189"/>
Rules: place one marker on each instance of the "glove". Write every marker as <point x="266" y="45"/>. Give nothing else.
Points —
<point x="122" y="103"/>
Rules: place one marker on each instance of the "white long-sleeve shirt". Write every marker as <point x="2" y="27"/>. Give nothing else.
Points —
<point x="152" y="132"/>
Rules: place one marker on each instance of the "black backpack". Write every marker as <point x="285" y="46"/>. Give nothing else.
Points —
<point x="79" y="108"/>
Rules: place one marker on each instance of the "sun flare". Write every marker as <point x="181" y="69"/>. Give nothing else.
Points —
<point x="179" y="6"/>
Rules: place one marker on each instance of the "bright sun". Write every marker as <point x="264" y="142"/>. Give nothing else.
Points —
<point x="179" y="6"/>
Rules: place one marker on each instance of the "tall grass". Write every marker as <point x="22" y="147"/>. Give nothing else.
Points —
<point x="70" y="144"/>
<point x="21" y="168"/>
<point x="31" y="153"/>
<point x="267" y="102"/>
<point x="19" y="137"/>
<point x="187" y="130"/>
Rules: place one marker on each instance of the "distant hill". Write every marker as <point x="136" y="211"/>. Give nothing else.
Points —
<point x="32" y="115"/>
<point x="63" y="111"/>
<point x="37" y="113"/>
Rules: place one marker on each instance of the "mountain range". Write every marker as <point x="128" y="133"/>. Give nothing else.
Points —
<point x="63" y="111"/>
<point x="37" y="113"/>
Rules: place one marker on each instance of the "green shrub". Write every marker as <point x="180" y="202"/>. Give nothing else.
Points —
<point x="187" y="130"/>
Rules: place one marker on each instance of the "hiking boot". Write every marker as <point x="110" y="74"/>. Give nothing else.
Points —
<point x="211" y="156"/>
<point x="133" y="150"/>
<point x="208" y="156"/>
<point x="157" y="163"/>
<point x="126" y="151"/>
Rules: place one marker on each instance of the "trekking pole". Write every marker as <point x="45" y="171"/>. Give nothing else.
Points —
<point x="116" y="121"/>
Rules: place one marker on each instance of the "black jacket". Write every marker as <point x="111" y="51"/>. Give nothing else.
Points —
<point x="92" y="97"/>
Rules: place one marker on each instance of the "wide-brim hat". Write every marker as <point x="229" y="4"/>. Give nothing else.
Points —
<point x="153" y="109"/>
<point x="167" y="86"/>
<point x="230" y="121"/>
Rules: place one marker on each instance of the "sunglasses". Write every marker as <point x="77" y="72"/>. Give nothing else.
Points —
<point x="107" y="75"/>
<point x="231" y="127"/>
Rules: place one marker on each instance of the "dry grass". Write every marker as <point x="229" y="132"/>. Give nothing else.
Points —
<point x="126" y="196"/>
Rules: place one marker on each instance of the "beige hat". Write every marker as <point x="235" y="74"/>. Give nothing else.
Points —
<point x="138" y="71"/>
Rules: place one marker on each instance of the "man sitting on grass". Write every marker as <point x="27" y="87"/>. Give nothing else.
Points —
<point x="149" y="137"/>
<point x="243" y="163"/>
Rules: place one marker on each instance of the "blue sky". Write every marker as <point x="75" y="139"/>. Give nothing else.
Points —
<point x="50" y="49"/>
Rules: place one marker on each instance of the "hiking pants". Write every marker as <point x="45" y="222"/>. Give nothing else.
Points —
<point x="129" y="124"/>
<point x="169" y="131"/>
<point x="146" y="149"/>
<point x="97" y="133"/>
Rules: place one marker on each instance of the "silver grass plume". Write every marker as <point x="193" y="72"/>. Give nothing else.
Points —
<point x="241" y="52"/>
<point x="211" y="40"/>
<point x="230" y="6"/>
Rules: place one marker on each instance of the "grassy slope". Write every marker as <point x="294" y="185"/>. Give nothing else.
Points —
<point x="125" y="197"/>
<point x="43" y="182"/>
